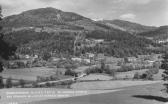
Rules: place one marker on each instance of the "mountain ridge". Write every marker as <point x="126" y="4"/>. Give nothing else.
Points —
<point x="161" y="33"/>
<point x="128" y="26"/>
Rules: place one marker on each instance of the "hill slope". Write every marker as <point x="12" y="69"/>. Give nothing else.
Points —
<point x="127" y="26"/>
<point x="49" y="19"/>
<point x="41" y="17"/>
<point x="159" y="34"/>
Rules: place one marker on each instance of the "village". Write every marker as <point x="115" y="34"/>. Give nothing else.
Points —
<point x="89" y="66"/>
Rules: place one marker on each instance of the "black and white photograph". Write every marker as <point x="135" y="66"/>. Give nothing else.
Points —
<point x="83" y="51"/>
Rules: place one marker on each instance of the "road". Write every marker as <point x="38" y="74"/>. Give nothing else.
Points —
<point x="68" y="79"/>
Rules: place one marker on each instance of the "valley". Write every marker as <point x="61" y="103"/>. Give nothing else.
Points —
<point x="64" y="51"/>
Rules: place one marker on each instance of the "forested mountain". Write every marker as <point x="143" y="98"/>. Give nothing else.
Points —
<point x="128" y="26"/>
<point x="41" y="17"/>
<point x="160" y="33"/>
<point x="53" y="30"/>
<point x="49" y="19"/>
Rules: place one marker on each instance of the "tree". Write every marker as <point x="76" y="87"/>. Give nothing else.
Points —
<point x="111" y="72"/>
<point x="136" y="76"/>
<point x="9" y="83"/>
<point x="48" y="84"/>
<point x="70" y="72"/>
<point x="1" y="82"/>
<point x="156" y="66"/>
<point x="34" y="85"/>
<point x="148" y="75"/>
<point x="103" y="65"/>
<point x="6" y="49"/>
<point x="164" y="66"/>
<point x="46" y="55"/>
<point x="22" y="83"/>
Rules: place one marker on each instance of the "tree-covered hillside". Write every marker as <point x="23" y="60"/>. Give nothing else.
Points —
<point x="117" y="43"/>
<point x="160" y="33"/>
<point x="130" y="27"/>
<point x="122" y="44"/>
<point x="53" y="30"/>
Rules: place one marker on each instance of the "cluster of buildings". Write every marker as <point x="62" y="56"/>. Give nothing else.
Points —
<point x="144" y="60"/>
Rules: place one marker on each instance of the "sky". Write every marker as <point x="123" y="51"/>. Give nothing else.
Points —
<point x="146" y="12"/>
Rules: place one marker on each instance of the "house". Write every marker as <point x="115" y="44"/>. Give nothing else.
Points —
<point x="131" y="59"/>
<point x="87" y="60"/>
<point x="113" y="60"/>
<point x="90" y="55"/>
<point x="89" y="43"/>
<point x="77" y="59"/>
<point x="38" y="29"/>
<point x="99" y="40"/>
<point x="144" y="57"/>
<point x="35" y="56"/>
<point x="113" y="67"/>
<point x="100" y="57"/>
<point x="27" y="56"/>
<point x="54" y="59"/>
<point x="162" y="41"/>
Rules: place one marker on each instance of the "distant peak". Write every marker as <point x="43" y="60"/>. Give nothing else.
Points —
<point x="50" y="8"/>
<point x="43" y="10"/>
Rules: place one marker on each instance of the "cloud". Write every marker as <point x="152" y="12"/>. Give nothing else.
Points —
<point x="136" y="1"/>
<point x="128" y="16"/>
<point x="10" y="7"/>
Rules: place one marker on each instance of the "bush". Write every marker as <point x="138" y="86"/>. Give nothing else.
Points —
<point x="35" y="85"/>
<point x="67" y="82"/>
<point x="148" y="75"/>
<point x="38" y="79"/>
<point x="48" y="84"/>
<point x="125" y="69"/>
<point x="126" y="77"/>
<point x="70" y="72"/>
<point x="46" y="56"/>
<point x="111" y="72"/>
<point x="137" y="76"/>
<point x="22" y="83"/>
<point x="41" y="79"/>
<point x="94" y="70"/>
<point x="155" y="70"/>
<point x="9" y="83"/>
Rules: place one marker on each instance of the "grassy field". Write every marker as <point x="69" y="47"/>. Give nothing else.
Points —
<point x="37" y="95"/>
<point x="107" y="85"/>
<point x="144" y="94"/>
<point x="29" y="74"/>
<point x="25" y="95"/>
<point x="96" y="77"/>
<point x="130" y="74"/>
<point x="72" y="96"/>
